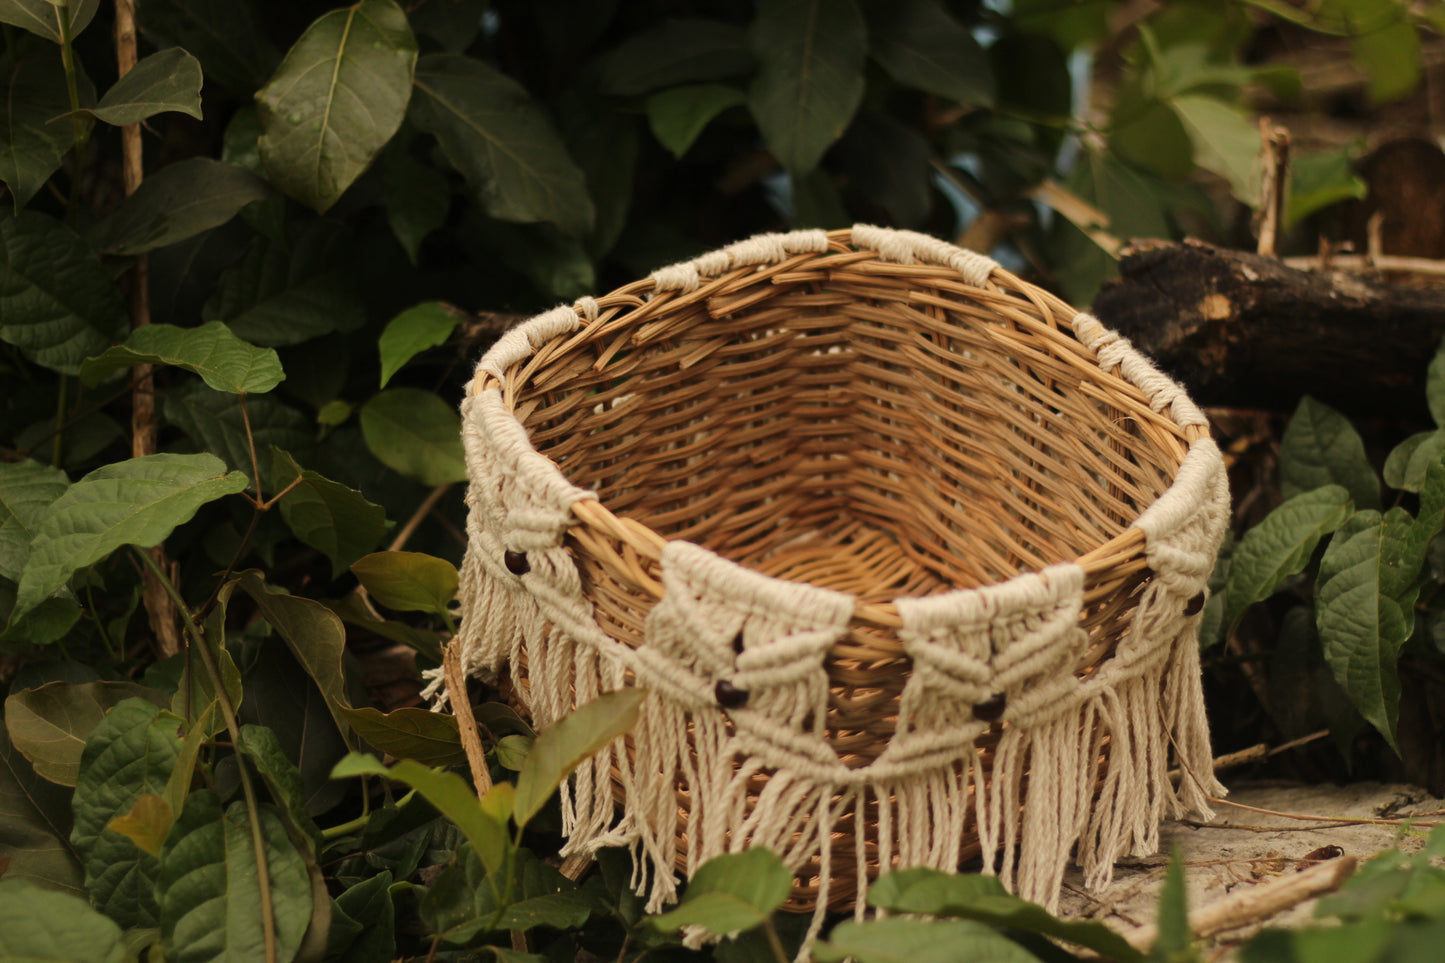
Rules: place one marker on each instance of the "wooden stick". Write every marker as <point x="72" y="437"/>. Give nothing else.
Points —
<point x="1274" y="160"/>
<point x="160" y="609"/>
<point x="456" y="681"/>
<point x="1253" y="904"/>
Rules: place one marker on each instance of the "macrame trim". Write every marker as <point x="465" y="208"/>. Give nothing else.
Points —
<point x="1116" y="351"/>
<point x="909" y="247"/>
<point x="761" y="249"/>
<point x="735" y="664"/>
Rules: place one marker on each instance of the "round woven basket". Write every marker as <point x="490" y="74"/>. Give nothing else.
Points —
<point x="909" y="553"/>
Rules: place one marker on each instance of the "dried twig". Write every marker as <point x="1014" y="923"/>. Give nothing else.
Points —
<point x="404" y="534"/>
<point x="456" y="682"/>
<point x="160" y="609"/>
<point x="1333" y="820"/>
<point x="1252" y="904"/>
<point x="1274" y="163"/>
<point x="1079" y="212"/>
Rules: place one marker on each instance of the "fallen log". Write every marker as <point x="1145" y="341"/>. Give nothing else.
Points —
<point x="1246" y="331"/>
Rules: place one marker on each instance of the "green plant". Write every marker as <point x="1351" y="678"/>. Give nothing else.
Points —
<point x="1364" y="579"/>
<point x="231" y="357"/>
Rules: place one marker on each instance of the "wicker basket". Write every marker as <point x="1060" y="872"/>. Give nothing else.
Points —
<point x="909" y="553"/>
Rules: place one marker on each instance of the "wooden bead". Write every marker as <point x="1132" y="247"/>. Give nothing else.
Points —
<point x="728" y="695"/>
<point x="1194" y="605"/>
<point x="992" y="708"/>
<point x="516" y="562"/>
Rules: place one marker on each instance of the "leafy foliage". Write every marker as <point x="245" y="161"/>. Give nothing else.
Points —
<point x="230" y="384"/>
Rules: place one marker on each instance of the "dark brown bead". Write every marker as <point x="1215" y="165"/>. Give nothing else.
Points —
<point x="1194" y="605"/>
<point x="738" y="643"/>
<point x="991" y="709"/>
<point x="516" y="562"/>
<point x="728" y="695"/>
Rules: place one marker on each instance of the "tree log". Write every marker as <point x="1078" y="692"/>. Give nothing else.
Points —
<point x="1245" y="331"/>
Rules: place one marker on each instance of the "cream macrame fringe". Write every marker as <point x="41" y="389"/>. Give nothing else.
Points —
<point x="719" y="623"/>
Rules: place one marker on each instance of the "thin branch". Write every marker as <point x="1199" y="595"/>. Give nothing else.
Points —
<point x="405" y="533"/>
<point x="1334" y="820"/>
<point x="1251" y="904"/>
<point x="456" y="683"/>
<point x="228" y="713"/>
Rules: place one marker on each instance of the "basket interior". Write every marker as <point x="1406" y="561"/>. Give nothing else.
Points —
<point x="833" y="422"/>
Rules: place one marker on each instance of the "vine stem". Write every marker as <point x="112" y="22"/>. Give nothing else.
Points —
<point x="161" y="611"/>
<point x="72" y="89"/>
<point x="233" y="728"/>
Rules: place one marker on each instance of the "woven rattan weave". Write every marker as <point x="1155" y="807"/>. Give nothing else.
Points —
<point x="909" y="552"/>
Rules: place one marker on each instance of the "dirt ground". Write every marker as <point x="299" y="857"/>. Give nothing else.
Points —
<point x="1245" y="848"/>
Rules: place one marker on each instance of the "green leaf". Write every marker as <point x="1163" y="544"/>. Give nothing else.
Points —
<point x="408" y="581"/>
<point x="169" y="80"/>
<point x="417" y="328"/>
<point x="930" y="892"/>
<point x="26" y="489"/>
<point x="1152" y="138"/>
<point x="337" y="98"/>
<point x="283" y="780"/>
<point x="353" y="611"/>
<point x="1320" y="179"/>
<point x="810" y="76"/>
<point x="35" y="826"/>
<point x="677" y="115"/>
<point x="370" y="904"/>
<point x="430" y="738"/>
<point x="209" y="885"/>
<point x="34" y="135"/>
<point x="50" y="725"/>
<point x="281" y="695"/>
<point x="1073" y="24"/>
<point x="462" y="903"/>
<point x="484" y="822"/>
<point x="1320" y="447"/>
<point x="1281" y="545"/>
<point x="512" y="751"/>
<point x="1174" y="937"/>
<point x="416" y="195"/>
<point x="1226" y="141"/>
<point x="675" y="51"/>
<point x="221" y="33"/>
<point x="886" y="161"/>
<point x="223" y="361"/>
<point x="921" y="46"/>
<point x="562" y="746"/>
<point x="130" y="754"/>
<point x="899" y="940"/>
<point x="57" y="301"/>
<point x="147" y="823"/>
<point x="333" y="519"/>
<point x="505" y="146"/>
<point x="416" y="434"/>
<point x="1390" y="58"/>
<point x="42" y="17"/>
<point x="38" y="925"/>
<point x="139" y="502"/>
<point x="213" y="421"/>
<point x="732" y="892"/>
<point x="314" y="634"/>
<point x="1435" y="386"/>
<point x="178" y="202"/>
<point x="285" y="294"/>
<point x="1407" y="463"/>
<point x="1365" y="612"/>
<point x="1416" y="551"/>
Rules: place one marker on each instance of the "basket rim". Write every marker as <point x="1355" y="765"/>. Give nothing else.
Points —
<point x="600" y="532"/>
